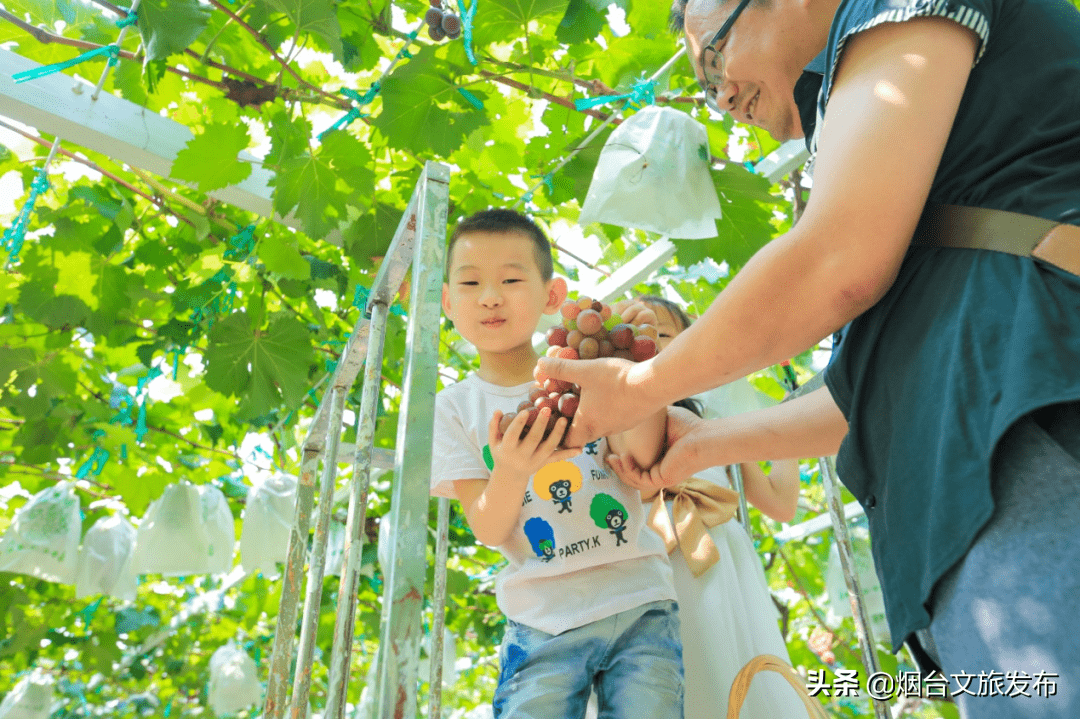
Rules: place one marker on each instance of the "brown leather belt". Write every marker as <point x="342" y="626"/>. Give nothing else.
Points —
<point x="1001" y="231"/>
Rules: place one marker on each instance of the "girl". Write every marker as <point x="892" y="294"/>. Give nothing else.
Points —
<point x="727" y="614"/>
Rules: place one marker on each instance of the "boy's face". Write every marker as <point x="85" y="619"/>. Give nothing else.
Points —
<point x="494" y="292"/>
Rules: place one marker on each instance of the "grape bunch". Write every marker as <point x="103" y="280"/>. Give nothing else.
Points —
<point x="590" y="329"/>
<point x="442" y="23"/>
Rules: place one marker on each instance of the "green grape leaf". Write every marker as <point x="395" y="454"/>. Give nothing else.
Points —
<point x="317" y="17"/>
<point x="413" y="117"/>
<point x="288" y="137"/>
<point x="581" y="23"/>
<point x="267" y="368"/>
<point x="209" y="158"/>
<point x="170" y="26"/>
<point x="310" y="184"/>
<point x="747" y="209"/>
<point x="281" y="257"/>
<point x="508" y="19"/>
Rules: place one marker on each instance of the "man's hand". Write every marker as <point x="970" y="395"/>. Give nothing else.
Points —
<point x="522" y="457"/>
<point x="611" y="401"/>
<point x="688" y="438"/>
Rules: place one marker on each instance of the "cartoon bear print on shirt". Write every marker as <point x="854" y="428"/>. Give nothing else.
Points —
<point x="606" y="512"/>
<point x="541" y="537"/>
<point x="558" y="481"/>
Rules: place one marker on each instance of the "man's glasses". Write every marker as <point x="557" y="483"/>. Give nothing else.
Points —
<point x="712" y="62"/>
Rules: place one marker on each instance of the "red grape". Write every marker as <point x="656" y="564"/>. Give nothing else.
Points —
<point x="573" y="338"/>
<point x="605" y="312"/>
<point x="589" y="348"/>
<point x="435" y="32"/>
<point x="590" y="322"/>
<point x="621" y="336"/>
<point x="546" y="401"/>
<point x="623" y="354"/>
<point x="570" y="310"/>
<point x="556" y="385"/>
<point x="598" y="306"/>
<point x="538" y="374"/>
<point x="565" y="353"/>
<point x="537" y="393"/>
<point x="648" y="331"/>
<point x="433" y="17"/>
<point x="568" y="404"/>
<point x="607" y="349"/>
<point x="524" y="404"/>
<point x="504" y="423"/>
<point x="556" y="336"/>
<point x="451" y="23"/>
<point x="552" y="351"/>
<point x="643" y="348"/>
<point x="435" y="3"/>
<point x="585" y="303"/>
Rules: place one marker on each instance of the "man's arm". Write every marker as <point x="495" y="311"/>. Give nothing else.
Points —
<point x="888" y="119"/>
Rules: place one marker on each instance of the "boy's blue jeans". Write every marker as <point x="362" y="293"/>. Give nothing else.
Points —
<point x="634" y="659"/>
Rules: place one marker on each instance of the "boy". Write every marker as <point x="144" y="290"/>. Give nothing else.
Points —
<point x="588" y="592"/>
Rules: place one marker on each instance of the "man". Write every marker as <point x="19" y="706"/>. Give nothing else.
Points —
<point x="954" y="390"/>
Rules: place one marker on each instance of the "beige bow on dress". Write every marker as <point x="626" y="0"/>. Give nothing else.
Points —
<point x="697" y="505"/>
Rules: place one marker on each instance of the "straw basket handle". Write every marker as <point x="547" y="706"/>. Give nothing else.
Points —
<point x="769" y="662"/>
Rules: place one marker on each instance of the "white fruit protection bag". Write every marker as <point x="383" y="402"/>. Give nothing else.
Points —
<point x="30" y="698"/>
<point x="43" y="539"/>
<point x="268" y="519"/>
<point x="188" y="530"/>
<point x="105" y="561"/>
<point x="653" y="174"/>
<point x="234" y="681"/>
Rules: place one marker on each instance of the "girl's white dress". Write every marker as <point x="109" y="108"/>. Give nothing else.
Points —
<point x="728" y="618"/>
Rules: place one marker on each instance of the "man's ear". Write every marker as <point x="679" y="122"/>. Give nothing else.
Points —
<point x="446" y="299"/>
<point x="556" y="295"/>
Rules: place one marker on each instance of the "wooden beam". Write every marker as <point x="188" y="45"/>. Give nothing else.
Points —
<point x="61" y="106"/>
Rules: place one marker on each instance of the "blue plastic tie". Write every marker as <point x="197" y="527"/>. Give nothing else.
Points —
<point x="354" y="113"/>
<point x="131" y="19"/>
<point x="111" y="50"/>
<point x="94" y="464"/>
<point x="404" y="53"/>
<point x="548" y="183"/>
<point x="473" y="99"/>
<point x="642" y="92"/>
<point x="241" y="244"/>
<point x="467" y="27"/>
<point x="15" y="235"/>
<point x="749" y="166"/>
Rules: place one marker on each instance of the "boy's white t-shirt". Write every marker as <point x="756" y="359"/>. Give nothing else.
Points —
<point x="581" y="549"/>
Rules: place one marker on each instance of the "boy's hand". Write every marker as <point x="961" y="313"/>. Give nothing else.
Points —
<point x="521" y="456"/>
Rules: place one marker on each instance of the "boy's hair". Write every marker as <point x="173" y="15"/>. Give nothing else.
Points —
<point x="683" y="319"/>
<point x="505" y="221"/>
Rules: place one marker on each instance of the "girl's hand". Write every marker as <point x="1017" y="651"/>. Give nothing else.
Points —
<point x="688" y="439"/>
<point x="635" y="313"/>
<point x="521" y="456"/>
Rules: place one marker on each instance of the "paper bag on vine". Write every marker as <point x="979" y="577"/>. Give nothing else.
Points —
<point x="188" y="530"/>
<point x="105" y="561"/>
<point x="268" y="520"/>
<point x="653" y="174"/>
<point x="234" y="681"/>
<point x="30" y="698"/>
<point x="43" y="539"/>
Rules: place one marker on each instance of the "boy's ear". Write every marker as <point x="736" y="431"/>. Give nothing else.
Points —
<point x="446" y="299"/>
<point x="556" y="295"/>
